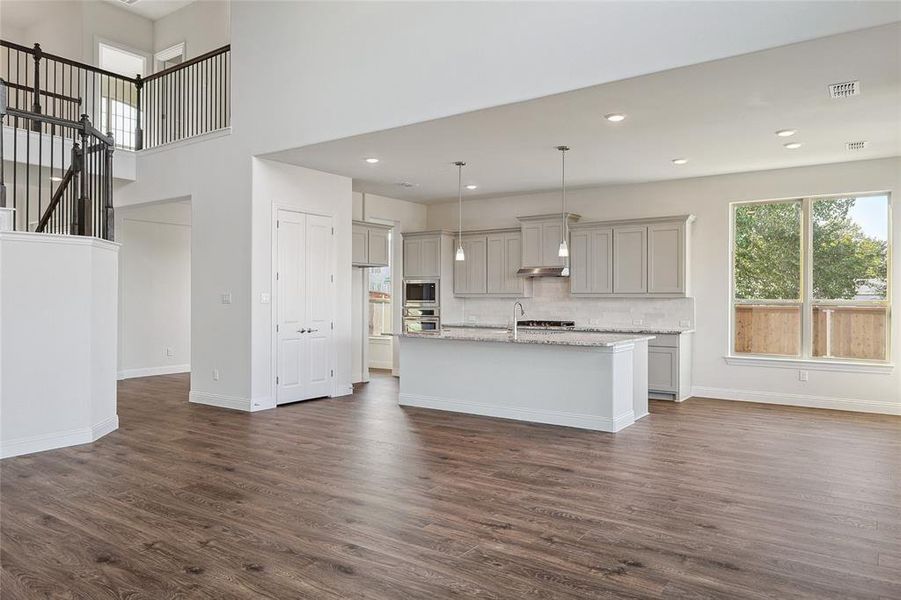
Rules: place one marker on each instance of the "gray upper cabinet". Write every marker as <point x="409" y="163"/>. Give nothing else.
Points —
<point x="369" y="244"/>
<point x="591" y="261"/>
<point x="541" y="236"/>
<point x="630" y="260"/>
<point x="504" y="260"/>
<point x="640" y="258"/>
<point x="492" y="261"/>
<point x="422" y="255"/>
<point x="666" y="258"/>
<point x="470" y="275"/>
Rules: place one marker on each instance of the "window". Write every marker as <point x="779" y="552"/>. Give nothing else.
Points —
<point x="810" y="278"/>
<point x="118" y="100"/>
<point x="380" y="299"/>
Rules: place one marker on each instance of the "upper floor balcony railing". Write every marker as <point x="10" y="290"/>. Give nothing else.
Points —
<point x="183" y="101"/>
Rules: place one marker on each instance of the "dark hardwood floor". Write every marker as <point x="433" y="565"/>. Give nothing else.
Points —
<point x="358" y="498"/>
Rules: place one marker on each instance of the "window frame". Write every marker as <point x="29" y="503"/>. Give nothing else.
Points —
<point x="807" y="302"/>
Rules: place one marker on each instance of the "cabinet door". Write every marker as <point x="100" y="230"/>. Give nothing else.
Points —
<point x="666" y="258"/>
<point x="431" y="257"/>
<point x="600" y="264"/>
<point x="630" y="260"/>
<point x="495" y="263"/>
<point x="378" y="247"/>
<point x="359" y="245"/>
<point x="413" y="258"/>
<point x="531" y="245"/>
<point x="513" y="283"/>
<point x="504" y="258"/>
<point x="551" y="235"/>
<point x="579" y="262"/>
<point x="663" y="369"/>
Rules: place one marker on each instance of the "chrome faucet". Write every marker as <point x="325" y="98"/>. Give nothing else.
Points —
<point x="522" y="313"/>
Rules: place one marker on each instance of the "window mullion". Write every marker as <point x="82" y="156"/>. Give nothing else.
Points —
<point x="807" y="278"/>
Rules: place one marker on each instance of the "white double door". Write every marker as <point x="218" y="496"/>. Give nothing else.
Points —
<point x="305" y="296"/>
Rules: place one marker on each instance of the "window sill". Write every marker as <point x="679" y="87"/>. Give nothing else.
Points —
<point x="810" y="365"/>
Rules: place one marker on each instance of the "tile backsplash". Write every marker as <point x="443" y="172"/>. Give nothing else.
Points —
<point x="551" y="300"/>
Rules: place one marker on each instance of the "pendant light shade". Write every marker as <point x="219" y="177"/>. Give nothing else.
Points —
<point x="563" y="250"/>
<point x="460" y="255"/>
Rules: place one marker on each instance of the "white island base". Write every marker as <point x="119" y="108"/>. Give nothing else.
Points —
<point x="603" y="388"/>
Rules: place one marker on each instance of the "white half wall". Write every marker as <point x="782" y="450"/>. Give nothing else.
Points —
<point x="154" y="289"/>
<point x="58" y="304"/>
<point x="709" y="198"/>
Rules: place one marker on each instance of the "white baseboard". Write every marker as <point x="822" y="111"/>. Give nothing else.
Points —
<point x="343" y="390"/>
<point x="58" y="439"/>
<point x="220" y="400"/>
<point x="549" y="417"/>
<point x="804" y="400"/>
<point x="151" y="371"/>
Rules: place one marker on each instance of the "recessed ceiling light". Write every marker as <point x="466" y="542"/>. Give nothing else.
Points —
<point x="372" y="161"/>
<point x="680" y="161"/>
<point x="793" y="145"/>
<point x="615" y="117"/>
<point x="786" y="132"/>
<point x="471" y="186"/>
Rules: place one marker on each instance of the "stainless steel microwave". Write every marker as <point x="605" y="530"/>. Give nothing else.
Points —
<point x="421" y="292"/>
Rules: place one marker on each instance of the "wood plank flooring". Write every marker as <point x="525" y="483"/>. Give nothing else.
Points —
<point x="357" y="498"/>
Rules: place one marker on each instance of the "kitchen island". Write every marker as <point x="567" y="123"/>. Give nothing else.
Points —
<point x="588" y="380"/>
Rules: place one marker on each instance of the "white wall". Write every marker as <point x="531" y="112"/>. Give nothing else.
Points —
<point x="709" y="198"/>
<point x="278" y="185"/>
<point x="202" y="26"/>
<point x="57" y="342"/>
<point x="154" y="289"/>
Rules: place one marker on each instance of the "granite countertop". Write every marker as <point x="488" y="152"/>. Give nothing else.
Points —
<point x="556" y="337"/>
<point x="640" y="329"/>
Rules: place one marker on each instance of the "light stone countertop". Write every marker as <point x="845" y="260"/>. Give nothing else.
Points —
<point x="556" y="337"/>
<point x="640" y="329"/>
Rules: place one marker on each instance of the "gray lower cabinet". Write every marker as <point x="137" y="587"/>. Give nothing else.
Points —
<point x="669" y="366"/>
<point x="369" y="244"/>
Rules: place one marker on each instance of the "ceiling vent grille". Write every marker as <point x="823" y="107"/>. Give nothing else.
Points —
<point x="844" y="89"/>
<point x="856" y="145"/>
<point x="407" y="184"/>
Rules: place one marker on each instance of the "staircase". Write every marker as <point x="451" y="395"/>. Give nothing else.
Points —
<point x="55" y="159"/>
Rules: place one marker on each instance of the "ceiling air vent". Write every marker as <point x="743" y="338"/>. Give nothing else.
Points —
<point x="407" y="184"/>
<point x="856" y="145"/>
<point x="844" y="89"/>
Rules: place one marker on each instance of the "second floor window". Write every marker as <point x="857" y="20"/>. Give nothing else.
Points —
<point x="810" y="278"/>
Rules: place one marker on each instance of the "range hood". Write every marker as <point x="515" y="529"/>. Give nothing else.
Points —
<point x="543" y="272"/>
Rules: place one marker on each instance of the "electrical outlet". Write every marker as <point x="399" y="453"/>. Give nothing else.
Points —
<point x="215" y="374"/>
<point x="265" y="298"/>
<point x="638" y="321"/>
<point x="802" y="375"/>
<point x="170" y="352"/>
<point x="226" y="298"/>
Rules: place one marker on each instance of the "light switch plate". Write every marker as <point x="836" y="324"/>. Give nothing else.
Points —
<point x="802" y="375"/>
<point x="215" y="374"/>
<point x="638" y="321"/>
<point x="226" y="298"/>
<point x="170" y="352"/>
<point x="265" y="298"/>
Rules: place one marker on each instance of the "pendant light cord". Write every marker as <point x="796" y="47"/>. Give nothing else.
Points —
<point x="460" y="165"/>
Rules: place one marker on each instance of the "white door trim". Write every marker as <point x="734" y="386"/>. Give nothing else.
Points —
<point x="273" y="297"/>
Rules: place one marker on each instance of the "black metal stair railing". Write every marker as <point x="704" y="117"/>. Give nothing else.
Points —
<point x="56" y="166"/>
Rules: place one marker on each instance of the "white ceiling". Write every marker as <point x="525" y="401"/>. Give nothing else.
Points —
<point x="720" y="115"/>
<point x="153" y="9"/>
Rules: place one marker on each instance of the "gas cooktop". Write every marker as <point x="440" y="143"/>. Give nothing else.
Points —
<point x="545" y="323"/>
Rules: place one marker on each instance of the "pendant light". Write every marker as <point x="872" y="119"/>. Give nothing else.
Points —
<point x="563" y="251"/>
<point x="460" y="255"/>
